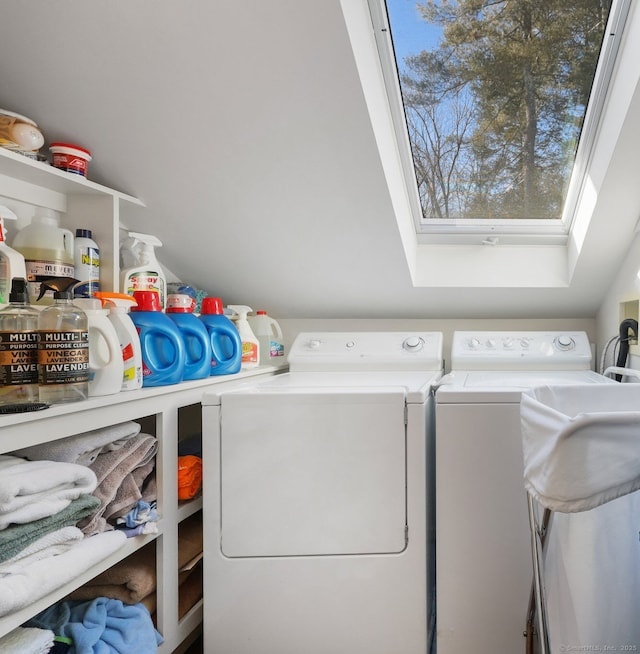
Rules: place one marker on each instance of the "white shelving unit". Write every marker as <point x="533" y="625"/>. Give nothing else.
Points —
<point x="80" y="202"/>
<point x="167" y="411"/>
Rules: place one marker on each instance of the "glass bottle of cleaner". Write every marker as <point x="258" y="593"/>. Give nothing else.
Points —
<point x="63" y="345"/>
<point x="18" y="347"/>
<point x="86" y="260"/>
<point x="226" y="346"/>
<point x="194" y="333"/>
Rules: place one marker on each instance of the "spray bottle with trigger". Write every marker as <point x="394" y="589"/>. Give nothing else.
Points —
<point x="146" y="274"/>
<point x="250" y="344"/>
<point x="11" y="261"/>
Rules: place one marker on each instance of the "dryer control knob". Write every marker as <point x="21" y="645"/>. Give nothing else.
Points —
<point x="474" y="343"/>
<point x="412" y="344"/>
<point x="314" y="344"/>
<point x="564" y="342"/>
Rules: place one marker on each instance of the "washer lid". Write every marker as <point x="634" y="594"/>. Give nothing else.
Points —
<point x="416" y="386"/>
<point x="491" y="386"/>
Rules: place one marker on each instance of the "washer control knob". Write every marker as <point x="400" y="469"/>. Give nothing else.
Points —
<point x="491" y="343"/>
<point x="474" y="343"/>
<point x="507" y="344"/>
<point x="314" y="344"/>
<point x="412" y="344"/>
<point x="564" y="342"/>
<point x="524" y="343"/>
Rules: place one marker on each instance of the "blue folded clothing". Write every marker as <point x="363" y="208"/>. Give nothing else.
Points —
<point x="101" y="626"/>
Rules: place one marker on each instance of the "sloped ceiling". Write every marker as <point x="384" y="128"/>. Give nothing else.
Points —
<point x="242" y="127"/>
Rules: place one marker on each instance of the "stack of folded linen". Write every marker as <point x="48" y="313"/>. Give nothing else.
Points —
<point x="123" y="462"/>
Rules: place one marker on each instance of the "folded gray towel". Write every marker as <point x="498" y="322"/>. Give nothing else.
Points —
<point x="115" y="471"/>
<point x="82" y="448"/>
<point x="15" y="538"/>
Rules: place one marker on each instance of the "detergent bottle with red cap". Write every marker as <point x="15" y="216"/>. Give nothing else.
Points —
<point x="195" y="335"/>
<point x="162" y="346"/>
<point x="226" y="345"/>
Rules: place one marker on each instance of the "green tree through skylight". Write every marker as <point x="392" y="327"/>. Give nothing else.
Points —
<point x="495" y="110"/>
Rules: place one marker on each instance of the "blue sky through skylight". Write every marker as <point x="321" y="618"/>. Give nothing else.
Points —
<point x="411" y="34"/>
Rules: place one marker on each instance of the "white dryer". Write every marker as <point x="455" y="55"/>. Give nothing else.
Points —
<point x="318" y="482"/>
<point x="483" y="552"/>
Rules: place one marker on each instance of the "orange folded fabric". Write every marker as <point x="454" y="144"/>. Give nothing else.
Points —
<point x="189" y="476"/>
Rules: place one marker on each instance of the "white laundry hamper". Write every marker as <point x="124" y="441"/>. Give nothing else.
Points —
<point x="581" y="449"/>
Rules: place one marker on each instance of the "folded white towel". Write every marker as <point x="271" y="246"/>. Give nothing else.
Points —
<point x="51" y="544"/>
<point x="30" y="490"/>
<point x="42" y="577"/>
<point x="27" y="640"/>
<point x="82" y="448"/>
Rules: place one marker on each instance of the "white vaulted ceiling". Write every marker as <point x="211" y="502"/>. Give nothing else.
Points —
<point x="243" y="128"/>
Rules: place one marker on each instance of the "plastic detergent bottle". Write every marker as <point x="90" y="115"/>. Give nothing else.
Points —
<point x="163" y="350"/>
<point x="269" y="335"/>
<point x="47" y="249"/>
<point x="105" y="362"/>
<point x="86" y="261"/>
<point x="18" y="347"/>
<point x="147" y="273"/>
<point x="195" y="335"/>
<point x="11" y="261"/>
<point x="118" y="305"/>
<point x="226" y="346"/>
<point x="63" y="345"/>
<point x="250" y="344"/>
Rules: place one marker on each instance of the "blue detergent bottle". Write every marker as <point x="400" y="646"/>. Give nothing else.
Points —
<point x="163" y="349"/>
<point x="226" y="345"/>
<point x="195" y="335"/>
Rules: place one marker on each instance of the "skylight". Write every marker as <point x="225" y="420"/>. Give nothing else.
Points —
<point x="497" y="105"/>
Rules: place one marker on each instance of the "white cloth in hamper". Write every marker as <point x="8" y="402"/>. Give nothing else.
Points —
<point x="42" y="577"/>
<point x="30" y="490"/>
<point x="27" y="640"/>
<point x="82" y="448"/>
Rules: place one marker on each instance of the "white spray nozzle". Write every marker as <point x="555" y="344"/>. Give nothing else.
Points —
<point x="240" y="310"/>
<point x="147" y="239"/>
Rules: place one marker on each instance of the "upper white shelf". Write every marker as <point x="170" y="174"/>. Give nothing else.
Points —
<point x="42" y="174"/>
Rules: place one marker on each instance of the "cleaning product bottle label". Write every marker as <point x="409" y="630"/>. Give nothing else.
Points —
<point x="276" y="349"/>
<point x="63" y="357"/>
<point x="145" y="281"/>
<point x="87" y="269"/>
<point x="249" y="352"/>
<point x="18" y="358"/>
<point x="39" y="271"/>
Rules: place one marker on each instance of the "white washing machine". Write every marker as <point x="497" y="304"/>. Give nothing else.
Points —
<point x="483" y="551"/>
<point x="318" y="536"/>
